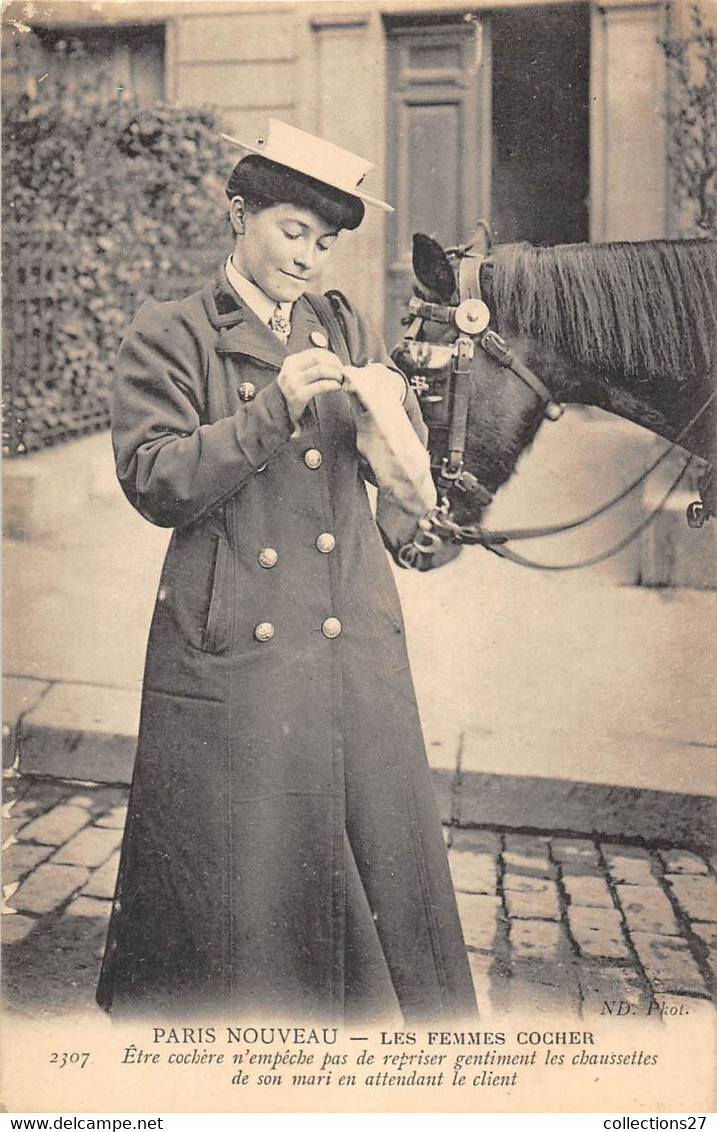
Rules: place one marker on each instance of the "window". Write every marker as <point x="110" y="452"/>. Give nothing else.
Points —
<point x="127" y="57"/>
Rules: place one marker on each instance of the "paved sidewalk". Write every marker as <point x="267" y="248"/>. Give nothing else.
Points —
<point x="552" y="923"/>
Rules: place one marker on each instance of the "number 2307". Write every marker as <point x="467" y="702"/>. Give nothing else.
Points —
<point x="63" y="1059"/>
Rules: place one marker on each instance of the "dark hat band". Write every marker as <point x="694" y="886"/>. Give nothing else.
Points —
<point x="262" y="181"/>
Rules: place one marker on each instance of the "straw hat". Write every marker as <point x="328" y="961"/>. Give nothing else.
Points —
<point x="315" y="158"/>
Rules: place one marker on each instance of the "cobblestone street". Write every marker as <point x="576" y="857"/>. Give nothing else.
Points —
<point x="552" y="923"/>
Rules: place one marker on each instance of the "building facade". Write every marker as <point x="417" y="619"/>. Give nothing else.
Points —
<point x="547" y="120"/>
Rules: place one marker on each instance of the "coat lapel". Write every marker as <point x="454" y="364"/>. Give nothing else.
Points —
<point x="303" y="323"/>
<point x="239" y="330"/>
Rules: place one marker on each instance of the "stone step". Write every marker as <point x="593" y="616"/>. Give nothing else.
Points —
<point x="584" y="807"/>
<point x="84" y="732"/>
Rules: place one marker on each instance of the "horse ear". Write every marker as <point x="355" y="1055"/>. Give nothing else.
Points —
<point x="431" y="267"/>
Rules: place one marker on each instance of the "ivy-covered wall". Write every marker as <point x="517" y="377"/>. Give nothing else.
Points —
<point x="104" y="203"/>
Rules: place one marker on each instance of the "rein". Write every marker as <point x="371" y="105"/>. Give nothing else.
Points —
<point x="559" y="528"/>
<point x="511" y="556"/>
<point x="472" y="317"/>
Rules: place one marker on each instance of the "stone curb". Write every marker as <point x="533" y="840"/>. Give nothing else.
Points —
<point x="77" y="731"/>
<point x="585" y="808"/>
<point x="20" y="695"/>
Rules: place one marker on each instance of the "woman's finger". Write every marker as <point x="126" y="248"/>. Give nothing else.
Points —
<point x="323" y="366"/>
<point x="318" y="372"/>
<point x="325" y="385"/>
<point x="306" y="375"/>
<point x="305" y="359"/>
<point x="308" y="382"/>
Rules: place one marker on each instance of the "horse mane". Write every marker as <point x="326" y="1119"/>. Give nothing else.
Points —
<point x="643" y="310"/>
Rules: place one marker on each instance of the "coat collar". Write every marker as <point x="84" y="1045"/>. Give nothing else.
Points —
<point x="241" y="331"/>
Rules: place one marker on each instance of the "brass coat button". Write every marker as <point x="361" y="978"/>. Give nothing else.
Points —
<point x="247" y="391"/>
<point x="318" y="338"/>
<point x="268" y="557"/>
<point x="313" y="458"/>
<point x="325" y="543"/>
<point x="264" y="631"/>
<point x="331" y="627"/>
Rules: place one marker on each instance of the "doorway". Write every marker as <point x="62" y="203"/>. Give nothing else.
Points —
<point x="540" y="125"/>
<point x="488" y="116"/>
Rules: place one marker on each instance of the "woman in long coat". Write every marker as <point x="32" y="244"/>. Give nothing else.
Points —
<point x="282" y="854"/>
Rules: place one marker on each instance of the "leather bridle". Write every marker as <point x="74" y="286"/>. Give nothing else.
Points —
<point x="441" y="376"/>
<point x="442" y="384"/>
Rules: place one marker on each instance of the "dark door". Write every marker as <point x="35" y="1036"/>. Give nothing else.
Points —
<point x="488" y="117"/>
<point x="540" y="124"/>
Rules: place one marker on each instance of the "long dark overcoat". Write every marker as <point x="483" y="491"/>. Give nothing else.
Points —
<point x="282" y="853"/>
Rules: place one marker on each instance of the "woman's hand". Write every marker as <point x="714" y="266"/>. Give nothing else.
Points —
<point x="305" y="375"/>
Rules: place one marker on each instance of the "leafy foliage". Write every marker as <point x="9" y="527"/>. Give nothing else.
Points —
<point x="104" y="203"/>
<point x="691" y="56"/>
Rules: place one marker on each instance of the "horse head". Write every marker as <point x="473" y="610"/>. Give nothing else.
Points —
<point x="482" y="407"/>
<point x="628" y="328"/>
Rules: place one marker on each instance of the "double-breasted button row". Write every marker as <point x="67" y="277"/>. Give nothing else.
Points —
<point x="268" y="556"/>
<point x="331" y="628"/>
